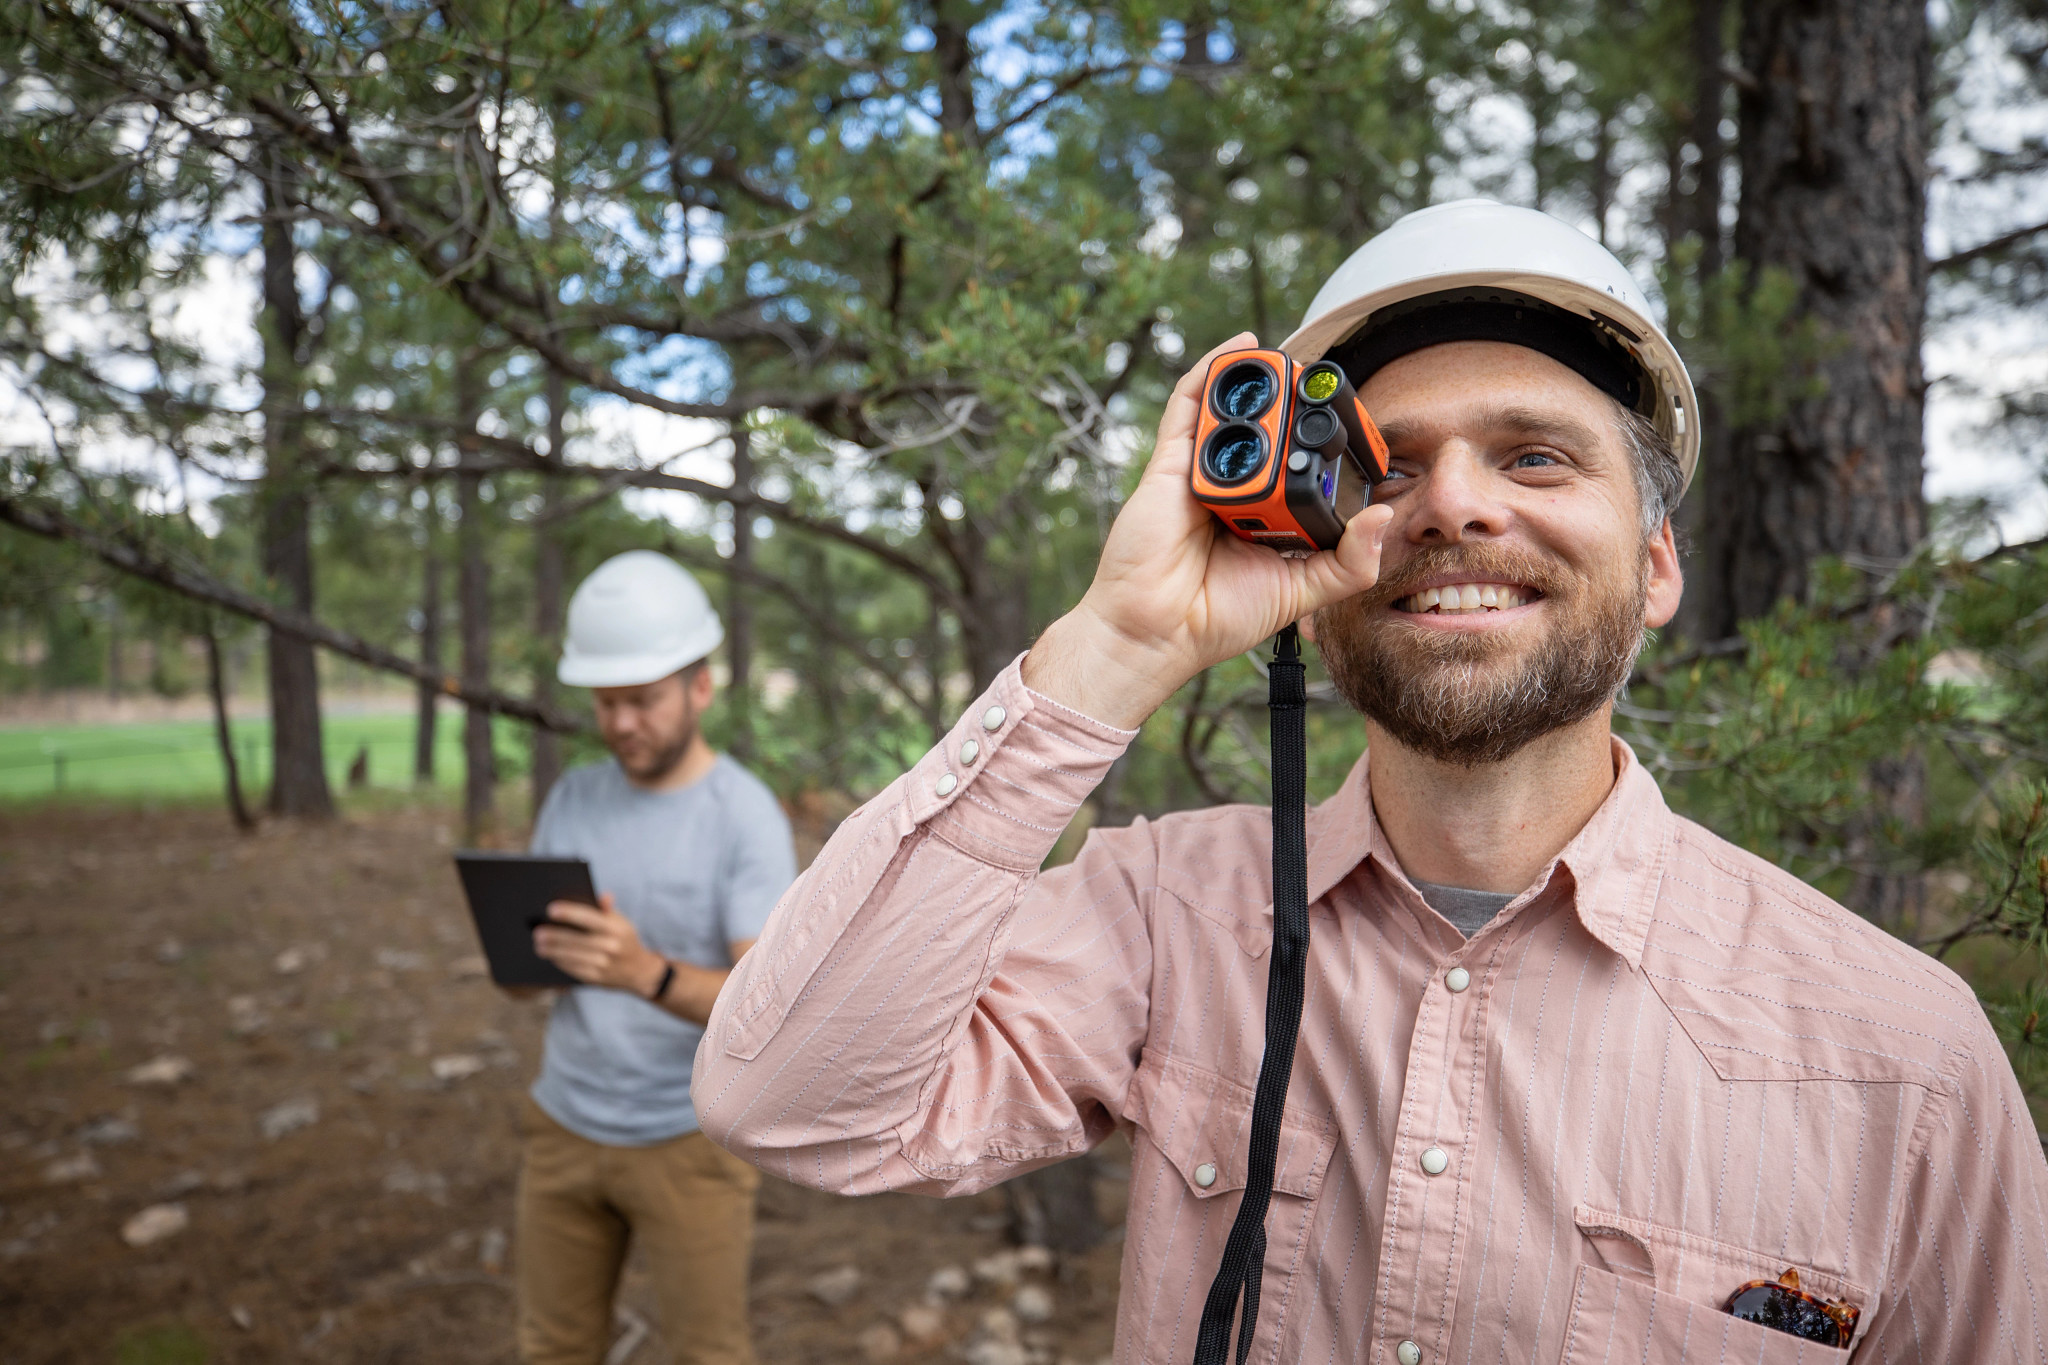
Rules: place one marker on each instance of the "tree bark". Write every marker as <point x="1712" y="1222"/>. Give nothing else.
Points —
<point x="548" y="574"/>
<point x="1834" y="137"/>
<point x="1700" y="217"/>
<point x="427" y="709"/>
<point x="1054" y="1207"/>
<point x="739" y="605"/>
<point x="298" y="785"/>
<point x="473" y="591"/>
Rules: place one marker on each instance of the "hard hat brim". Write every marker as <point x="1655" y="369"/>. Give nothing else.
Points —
<point x="636" y="670"/>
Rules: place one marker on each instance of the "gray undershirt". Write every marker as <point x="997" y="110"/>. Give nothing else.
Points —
<point x="1471" y="911"/>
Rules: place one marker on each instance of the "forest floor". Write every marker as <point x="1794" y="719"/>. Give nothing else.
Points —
<point x="279" y="1054"/>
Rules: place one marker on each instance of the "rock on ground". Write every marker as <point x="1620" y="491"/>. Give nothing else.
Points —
<point x="155" y="1223"/>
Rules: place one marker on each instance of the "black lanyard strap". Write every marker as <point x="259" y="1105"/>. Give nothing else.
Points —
<point x="1244" y="1251"/>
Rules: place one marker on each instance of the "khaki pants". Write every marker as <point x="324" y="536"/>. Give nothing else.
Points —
<point x="687" y="1203"/>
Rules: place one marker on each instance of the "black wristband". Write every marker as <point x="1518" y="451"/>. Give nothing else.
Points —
<point x="668" y="976"/>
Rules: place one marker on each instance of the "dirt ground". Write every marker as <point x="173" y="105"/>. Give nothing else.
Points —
<point x="336" y="1170"/>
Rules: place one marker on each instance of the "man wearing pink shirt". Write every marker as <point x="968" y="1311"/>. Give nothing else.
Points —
<point x="1571" y="1072"/>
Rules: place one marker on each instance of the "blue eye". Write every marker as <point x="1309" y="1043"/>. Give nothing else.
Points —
<point x="1522" y="460"/>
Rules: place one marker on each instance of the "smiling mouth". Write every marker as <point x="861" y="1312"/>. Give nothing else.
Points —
<point x="1467" y="599"/>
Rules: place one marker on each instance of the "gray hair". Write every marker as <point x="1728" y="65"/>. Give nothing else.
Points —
<point x="1660" y="482"/>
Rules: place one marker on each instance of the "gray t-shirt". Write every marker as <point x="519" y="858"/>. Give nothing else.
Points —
<point x="1470" y="910"/>
<point x="694" y="869"/>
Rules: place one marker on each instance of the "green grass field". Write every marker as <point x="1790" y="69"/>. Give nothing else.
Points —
<point x="179" y="760"/>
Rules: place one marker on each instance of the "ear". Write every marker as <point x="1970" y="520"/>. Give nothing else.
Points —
<point x="1667" y="580"/>
<point x="1307" y="625"/>
<point x="702" y="686"/>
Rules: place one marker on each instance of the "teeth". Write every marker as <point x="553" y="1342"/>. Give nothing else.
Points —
<point x="1466" y="597"/>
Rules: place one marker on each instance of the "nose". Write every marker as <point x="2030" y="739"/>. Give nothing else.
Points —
<point x="1458" y="497"/>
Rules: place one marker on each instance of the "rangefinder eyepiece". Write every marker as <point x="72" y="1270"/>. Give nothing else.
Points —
<point x="1245" y="391"/>
<point x="1235" y="453"/>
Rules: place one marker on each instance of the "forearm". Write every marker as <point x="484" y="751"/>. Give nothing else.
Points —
<point x="831" y="1057"/>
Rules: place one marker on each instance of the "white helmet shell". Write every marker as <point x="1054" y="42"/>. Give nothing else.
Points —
<point x="1477" y="243"/>
<point x="638" y="618"/>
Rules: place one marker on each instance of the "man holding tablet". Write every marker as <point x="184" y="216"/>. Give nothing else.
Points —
<point x="688" y="852"/>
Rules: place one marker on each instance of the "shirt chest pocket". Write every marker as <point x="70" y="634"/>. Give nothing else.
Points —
<point x="1656" y="1294"/>
<point x="1188" y="1178"/>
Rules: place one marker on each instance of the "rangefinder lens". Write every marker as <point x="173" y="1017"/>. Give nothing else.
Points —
<point x="1319" y="385"/>
<point x="1245" y="391"/>
<point x="1315" y="428"/>
<point x="1234" y="453"/>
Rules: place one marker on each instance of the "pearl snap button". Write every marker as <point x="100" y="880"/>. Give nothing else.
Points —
<point x="969" y="751"/>
<point x="944" y="786"/>
<point x="1434" y="1160"/>
<point x="1457" y="979"/>
<point x="993" y="718"/>
<point x="1408" y="1353"/>
<point x="1205" y="1175"/>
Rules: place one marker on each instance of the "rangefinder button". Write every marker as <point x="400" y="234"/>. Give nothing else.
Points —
<point x="969" y="752"/>
<point x="1297" y="460"/>
<point x="944" y="786"/>
<point x="993" y="718"/>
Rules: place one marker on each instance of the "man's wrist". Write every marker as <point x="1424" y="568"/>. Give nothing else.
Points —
<point x="1086" y="665"/>
<point x="654" y="976"/>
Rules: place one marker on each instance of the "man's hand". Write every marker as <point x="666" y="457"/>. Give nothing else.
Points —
<point x="1174" y="592"/>
<point x="602" y="949"/>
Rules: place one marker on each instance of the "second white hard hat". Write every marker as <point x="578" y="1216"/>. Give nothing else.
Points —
<point x="1476" y="270"/>
<point x="638" y="618"/>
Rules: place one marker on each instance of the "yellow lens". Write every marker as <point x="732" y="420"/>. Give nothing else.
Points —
<point x="1320" y="386"/>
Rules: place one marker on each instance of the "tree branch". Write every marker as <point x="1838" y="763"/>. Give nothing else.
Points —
<point x="1982" y="249"/>
<point x="150" y="567"/>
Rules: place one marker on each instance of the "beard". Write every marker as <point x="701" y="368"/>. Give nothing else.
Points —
<point x="1469" y="698"/>
<point x="654" y="761"/>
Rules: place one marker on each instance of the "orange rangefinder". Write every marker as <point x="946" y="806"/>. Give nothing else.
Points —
<point x="1285" y="454"/>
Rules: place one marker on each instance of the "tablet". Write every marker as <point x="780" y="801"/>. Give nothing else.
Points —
<point x="508" y="897"/>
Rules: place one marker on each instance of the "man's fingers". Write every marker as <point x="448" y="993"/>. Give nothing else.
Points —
<point x="576" y="913"/>
<point x="1353" y="566"/>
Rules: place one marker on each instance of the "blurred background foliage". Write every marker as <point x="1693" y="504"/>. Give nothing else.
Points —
<point x="401" y="317"/>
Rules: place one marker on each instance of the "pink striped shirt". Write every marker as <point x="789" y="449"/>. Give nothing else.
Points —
<point x="1666" y="1069"/>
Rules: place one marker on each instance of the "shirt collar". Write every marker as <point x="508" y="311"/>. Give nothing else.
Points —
<point x="1616" y="861"/>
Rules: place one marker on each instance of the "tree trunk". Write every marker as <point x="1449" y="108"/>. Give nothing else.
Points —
<point x="1710" y="87"/>
<point x="1700" y="217"/>
<point x="739" y="607"/>
<point x="428" y="706"/>
<point x="1834" y="134"/>
<point x="1054" y="1207"/>
<point x="548" y="575"/>
<point x="223" y="732"/>
<point x="1834" y="144"/>
<point x="115" y="681"/>
<point x="298" y="783"/>
<point x="473" y="590"/>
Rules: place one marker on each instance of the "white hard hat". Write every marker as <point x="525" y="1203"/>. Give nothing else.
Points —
<point x="638" y="618"/>
<point x="1477" y="270"/>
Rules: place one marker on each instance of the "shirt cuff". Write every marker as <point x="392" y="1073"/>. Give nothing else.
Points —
<point x="1008" y="778"/>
